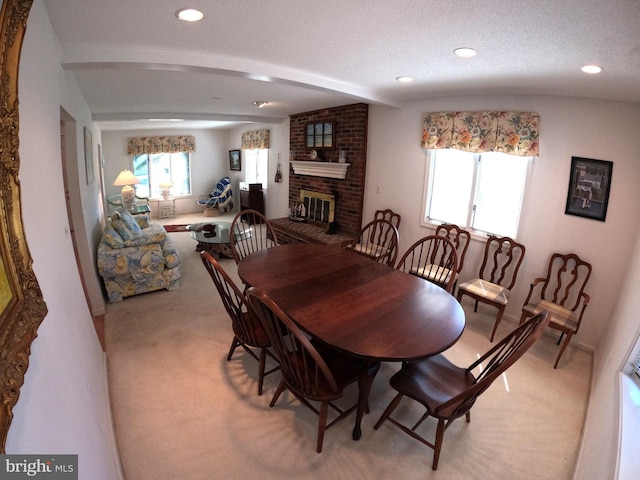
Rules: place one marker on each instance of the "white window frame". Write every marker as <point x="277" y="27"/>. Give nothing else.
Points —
<point x="426" y="207"/>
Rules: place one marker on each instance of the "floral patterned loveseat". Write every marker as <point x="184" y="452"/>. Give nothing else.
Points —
<point x="135" y="256"/>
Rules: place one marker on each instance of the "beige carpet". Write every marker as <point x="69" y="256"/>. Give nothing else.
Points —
<point x="182" y="411"/>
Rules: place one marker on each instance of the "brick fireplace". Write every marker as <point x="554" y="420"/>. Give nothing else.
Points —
<point x="351" y="125"/>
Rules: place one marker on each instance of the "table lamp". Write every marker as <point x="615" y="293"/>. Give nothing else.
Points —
<point x="165" y="188"/>
<point x="128" y="194"/>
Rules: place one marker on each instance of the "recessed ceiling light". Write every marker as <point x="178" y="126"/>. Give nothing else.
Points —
<point x="260" y="103"/>
<point x="465" y="52"/>
<point x="190" y="15"/>
<point x="404" y="79"/>
<point x="591" y="69"/>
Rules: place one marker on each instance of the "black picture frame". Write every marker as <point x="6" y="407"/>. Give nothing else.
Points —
<point x="589" y="187"/>
<point x="235" y="161"/>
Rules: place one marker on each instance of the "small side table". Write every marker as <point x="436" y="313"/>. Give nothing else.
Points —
<point x="166" y="208"/>
<point x="140" y="209"/>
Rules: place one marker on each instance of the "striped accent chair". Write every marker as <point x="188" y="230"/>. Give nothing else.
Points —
<point x="498" y="272"/>
<point x="562" y="294"/>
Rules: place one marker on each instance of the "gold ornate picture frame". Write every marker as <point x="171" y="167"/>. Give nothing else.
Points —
<point x="22" y="306"/>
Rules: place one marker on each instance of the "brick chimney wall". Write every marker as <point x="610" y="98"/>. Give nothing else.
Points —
<point x="351" y="125"/>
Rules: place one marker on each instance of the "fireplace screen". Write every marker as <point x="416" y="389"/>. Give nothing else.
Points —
<point x="319" y="207"/>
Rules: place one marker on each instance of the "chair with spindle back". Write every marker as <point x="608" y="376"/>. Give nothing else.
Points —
<point x="377" y="240"/>
<point x="447" y="391"/>
<point x="248" y="331"/>
<point x="433" y="258"/>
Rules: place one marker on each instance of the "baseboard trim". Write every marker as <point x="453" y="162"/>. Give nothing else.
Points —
<point x="114" y="442"/>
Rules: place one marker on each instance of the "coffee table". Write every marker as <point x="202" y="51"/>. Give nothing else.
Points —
<point x="213" y="237"/>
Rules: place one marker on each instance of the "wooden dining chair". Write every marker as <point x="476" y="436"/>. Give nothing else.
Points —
<point x="247" y="329"/>
<point x="562" y="294"/>
<point x="460" y="238"/>
<point x="498" y="273"/>
<point x="377" y="240"/>
<point x="250" y="232"/>
<point x="388" y="215"/>
<point x="433" y="258"/>
<point x="447" y="391"/>
<point x="310" y="371"/>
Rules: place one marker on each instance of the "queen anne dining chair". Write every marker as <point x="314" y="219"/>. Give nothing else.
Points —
<point x="310" y="371"/>
<point x="498" y="273"/>
<point x="433" y="258"/>
<point x="388" y="215"/>
<point x="377" y="240"/>
<point x="250" y="232"/>
<point x="460" y="239"/>
<point x="247" y="329"/>
<point x="562" y="294"/>
<point x="447" y="391"/>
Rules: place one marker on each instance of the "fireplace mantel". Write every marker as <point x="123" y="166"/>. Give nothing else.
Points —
<point x="320" y="169"/>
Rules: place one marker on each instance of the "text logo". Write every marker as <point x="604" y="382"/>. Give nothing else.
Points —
<point x="50" y="467"/>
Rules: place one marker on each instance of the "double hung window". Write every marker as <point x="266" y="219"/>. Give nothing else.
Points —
<point x="156" y="169"/>
<point x="256" y="166"/>
<point x="481" y="192"/>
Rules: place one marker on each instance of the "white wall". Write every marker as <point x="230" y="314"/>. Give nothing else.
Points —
<point x="568" y="127"/>
<point x="600" y="447"/>
<point x="209" y="162"/>
<point x="63" y="406"/>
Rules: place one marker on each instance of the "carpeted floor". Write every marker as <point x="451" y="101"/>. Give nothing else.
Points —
<point x="182" y="411"/>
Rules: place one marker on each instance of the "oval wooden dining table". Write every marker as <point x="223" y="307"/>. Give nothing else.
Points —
<point x="356" y="305"/>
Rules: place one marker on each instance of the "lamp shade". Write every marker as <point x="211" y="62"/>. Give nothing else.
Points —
<point x="126" y="178"/>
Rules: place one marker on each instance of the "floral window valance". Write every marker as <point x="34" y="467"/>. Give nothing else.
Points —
<point x="515" y="133"/>
<point x="257" y="139"/>
<point x="140" y="145"/>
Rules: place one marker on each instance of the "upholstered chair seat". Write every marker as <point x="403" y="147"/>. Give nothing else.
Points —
<point x="559" y="314"/>
<point x="433" y="273"/>
<point x="490" y="291"/>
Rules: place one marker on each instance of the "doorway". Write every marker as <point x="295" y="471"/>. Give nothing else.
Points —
<point x="68" y="152"/>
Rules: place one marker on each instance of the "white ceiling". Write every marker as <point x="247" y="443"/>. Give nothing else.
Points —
<point x="133" y="60"/>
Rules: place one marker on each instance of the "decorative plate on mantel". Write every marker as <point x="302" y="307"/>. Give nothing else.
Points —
<point x="313" y="155"/>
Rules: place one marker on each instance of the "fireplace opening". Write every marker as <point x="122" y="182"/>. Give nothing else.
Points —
<point x="319" y="207"/>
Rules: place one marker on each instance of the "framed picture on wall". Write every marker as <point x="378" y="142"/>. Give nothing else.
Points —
<point x="234" y="160"/>
<point x="589" y="186"/>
